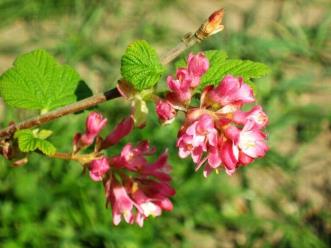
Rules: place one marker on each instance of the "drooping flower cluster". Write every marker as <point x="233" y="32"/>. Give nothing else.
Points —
<point x="218" y="133"/>
<point x="144" y="194"/>
<point x="134" y="188"/>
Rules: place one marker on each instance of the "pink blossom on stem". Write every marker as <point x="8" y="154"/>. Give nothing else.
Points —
<point x="135" y="188"/>
<point x="95" y="122"/>
<point x="256" y="115"/>
<point x="152" y="197"/>
<point x="248" y="143"/>
<point x="229" y="155"/>
<point x="98" y="168"/>
<point x="165" y="111"/>
<point x="120" y="201"/>
<point x="133" y="158"/>
<point x="160" y="169"/>
<point x="219" y="134"/>
<point x="197" y="65"/>
<point x="187" y="79"/>
<point x="252" y="141"/>
<point x="180" y="90"/>
<point x="231" y="90"/>
<point x="195" y="139"/>
<point x="120" y="131"/>
<point x="144" y="194"/>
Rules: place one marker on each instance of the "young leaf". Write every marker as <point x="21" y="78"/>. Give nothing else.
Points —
<point x="38" y="81"/>
<point x="46" y="147"/>
<point x="29" y="141"/>
<point x="220" y="66"/>
<point x="140" y="65"/>
<point x="26" y="140"/>
<point x="44" y="134"/>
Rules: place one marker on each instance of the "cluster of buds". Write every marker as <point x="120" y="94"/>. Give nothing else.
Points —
<point x="134" y="188"/>
<point x="217" y="134"/>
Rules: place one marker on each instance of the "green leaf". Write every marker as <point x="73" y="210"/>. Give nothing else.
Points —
<point x="29" y="141"/>
<point x="140" y="65"/>
<point x="220" y="66"/>
<point x="44" y="134"/>
<point x="46" y="147"/>
<point x="26" y="140"/>
<point x="38" y="81"/>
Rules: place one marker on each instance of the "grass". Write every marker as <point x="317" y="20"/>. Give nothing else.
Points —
<point x="279" y="201"/>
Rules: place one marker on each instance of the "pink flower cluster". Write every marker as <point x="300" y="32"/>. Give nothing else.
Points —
<point x="182" y="87"/>
<point x="135" y="188"/>
<point x="218" y="133"/>
<point x="144" y="194"/>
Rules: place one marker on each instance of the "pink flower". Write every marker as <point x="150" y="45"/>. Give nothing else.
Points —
<point x="197" y="66"/>
<point x="180" y="89"/>
<point x="120" y="131"/>
<point x="165" y="111"/>
<point x="194" y="139"/>
<point x="160" y="169"/>
<point x="219" y="133"/>
<point x="133" y="158"/>
<point x="256" y="115"/>
<point x="229" y="155"/>
<point x="95" y="122"/>
<point x="98" y="168"/>
<point x="252" y="141"/>
<point x="120" y="202"/>
<point x="231" y="90"/>
<point x="246" y="144"/>
<point x="145" y="191"/>
<point x="152" y="197"/>
<point x="187" y="79"/>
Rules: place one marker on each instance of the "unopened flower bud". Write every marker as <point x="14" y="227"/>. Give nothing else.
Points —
<point x="120" y="131"/>
<point x="215" y="22"/>
<point x="212" y="26"/>
<point x="165" y="111"/>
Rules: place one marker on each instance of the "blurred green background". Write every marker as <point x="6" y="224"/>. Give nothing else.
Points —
<point x="282" y="200"/>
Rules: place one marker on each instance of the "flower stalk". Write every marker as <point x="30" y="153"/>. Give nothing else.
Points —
<point x="80" y="158"/>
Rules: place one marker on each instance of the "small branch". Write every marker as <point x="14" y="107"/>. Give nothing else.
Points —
<point x="208" y="28"/>
<point x="57" y="113"/>
<point x="80" y="158"/>
<point x="188" y="41"/>
<point x="62" y="155"/>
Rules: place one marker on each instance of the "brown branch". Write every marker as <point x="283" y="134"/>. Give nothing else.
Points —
<point x="57" y="113"/>
<point x="208" y="28"/>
